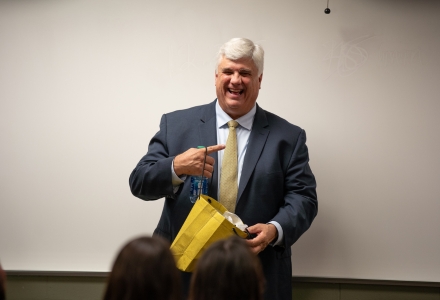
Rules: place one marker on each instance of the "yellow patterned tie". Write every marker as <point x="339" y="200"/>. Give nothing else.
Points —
<point x="228" y="177"/>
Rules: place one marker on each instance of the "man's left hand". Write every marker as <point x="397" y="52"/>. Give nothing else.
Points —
<point x="266" y="233"/>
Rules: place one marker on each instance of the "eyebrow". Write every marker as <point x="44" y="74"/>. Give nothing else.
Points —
<point x="241" y="70"/>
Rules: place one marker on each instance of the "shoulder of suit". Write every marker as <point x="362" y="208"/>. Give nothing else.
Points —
<point x="191" y="111"/>
<point x="276" y="121"/>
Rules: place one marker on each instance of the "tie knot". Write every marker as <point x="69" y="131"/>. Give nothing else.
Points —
<point x="233" y="123"/>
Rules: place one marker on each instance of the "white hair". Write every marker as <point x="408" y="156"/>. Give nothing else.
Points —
<point x="238" y="48"/>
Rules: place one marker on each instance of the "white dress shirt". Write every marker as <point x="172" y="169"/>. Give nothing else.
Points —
<point x="243" y="132"/>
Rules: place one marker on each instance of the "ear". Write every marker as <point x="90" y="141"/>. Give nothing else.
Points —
<point x="215" y="78"/>
<point x="259" y="80"/>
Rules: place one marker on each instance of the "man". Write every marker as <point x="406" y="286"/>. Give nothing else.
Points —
<point x="276" y="188"/>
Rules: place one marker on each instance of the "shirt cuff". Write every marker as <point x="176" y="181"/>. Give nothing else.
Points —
<point x="176" y="180"/>
<point x="278" y="242"/>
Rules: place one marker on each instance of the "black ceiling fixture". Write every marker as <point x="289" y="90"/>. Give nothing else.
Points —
<point x="327" y="10"/>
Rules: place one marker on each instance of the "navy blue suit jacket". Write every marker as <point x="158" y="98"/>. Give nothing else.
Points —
<point x="276" y="183"/>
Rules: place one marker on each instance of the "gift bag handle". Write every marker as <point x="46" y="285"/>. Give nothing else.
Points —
<point x="249" y="236"/>
<point x="203" y="169"/>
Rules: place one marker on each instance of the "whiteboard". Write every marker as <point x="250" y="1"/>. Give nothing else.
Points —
<point x="83" y="85"/>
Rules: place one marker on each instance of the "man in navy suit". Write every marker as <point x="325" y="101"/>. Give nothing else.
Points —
<point x="276" y="190"/>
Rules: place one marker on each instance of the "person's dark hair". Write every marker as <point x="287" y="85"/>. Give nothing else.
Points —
<point x="144" y="269"/>
<point x="2" y="284"/>
<point x="228" y="270"/>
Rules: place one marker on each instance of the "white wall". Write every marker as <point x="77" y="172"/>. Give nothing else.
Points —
<point x="83" y="85"/>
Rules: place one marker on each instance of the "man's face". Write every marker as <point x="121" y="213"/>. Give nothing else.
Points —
<point x="237" y="85"/>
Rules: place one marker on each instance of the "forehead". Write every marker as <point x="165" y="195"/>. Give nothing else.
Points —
<point x="239" y="64"/>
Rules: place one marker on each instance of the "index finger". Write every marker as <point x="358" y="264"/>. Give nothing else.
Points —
<point x="215" y="148"/>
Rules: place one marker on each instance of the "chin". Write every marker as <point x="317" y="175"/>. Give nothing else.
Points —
<point x="234" y="102"/>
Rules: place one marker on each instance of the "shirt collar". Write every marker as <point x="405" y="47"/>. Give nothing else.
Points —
<point x="244" y="121"/>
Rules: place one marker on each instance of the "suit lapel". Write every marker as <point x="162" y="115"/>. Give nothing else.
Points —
<point x="257" y="140"/>
<point x="208" y="137"/>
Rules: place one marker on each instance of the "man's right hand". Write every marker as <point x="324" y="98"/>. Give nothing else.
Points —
<point x="191" y="161"/>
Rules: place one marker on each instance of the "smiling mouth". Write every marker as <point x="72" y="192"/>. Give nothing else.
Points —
<point x="235" y="91"/>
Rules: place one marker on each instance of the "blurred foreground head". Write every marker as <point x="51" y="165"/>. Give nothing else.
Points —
<point x="228" y="270"/>
<point x="2" y="284"/>
<point x="144" y="269"/>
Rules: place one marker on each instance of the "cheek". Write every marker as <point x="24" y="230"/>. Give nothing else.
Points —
<point x="219" y="84"/>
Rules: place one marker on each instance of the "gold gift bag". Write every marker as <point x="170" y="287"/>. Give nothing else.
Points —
<point x="204" y="225"/>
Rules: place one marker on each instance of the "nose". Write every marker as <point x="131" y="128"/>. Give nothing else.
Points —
<point x="236" y="78"/>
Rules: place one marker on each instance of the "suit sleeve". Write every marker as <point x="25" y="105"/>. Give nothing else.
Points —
<point x="300" y="199"/>
<point x="151" y="178"/>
